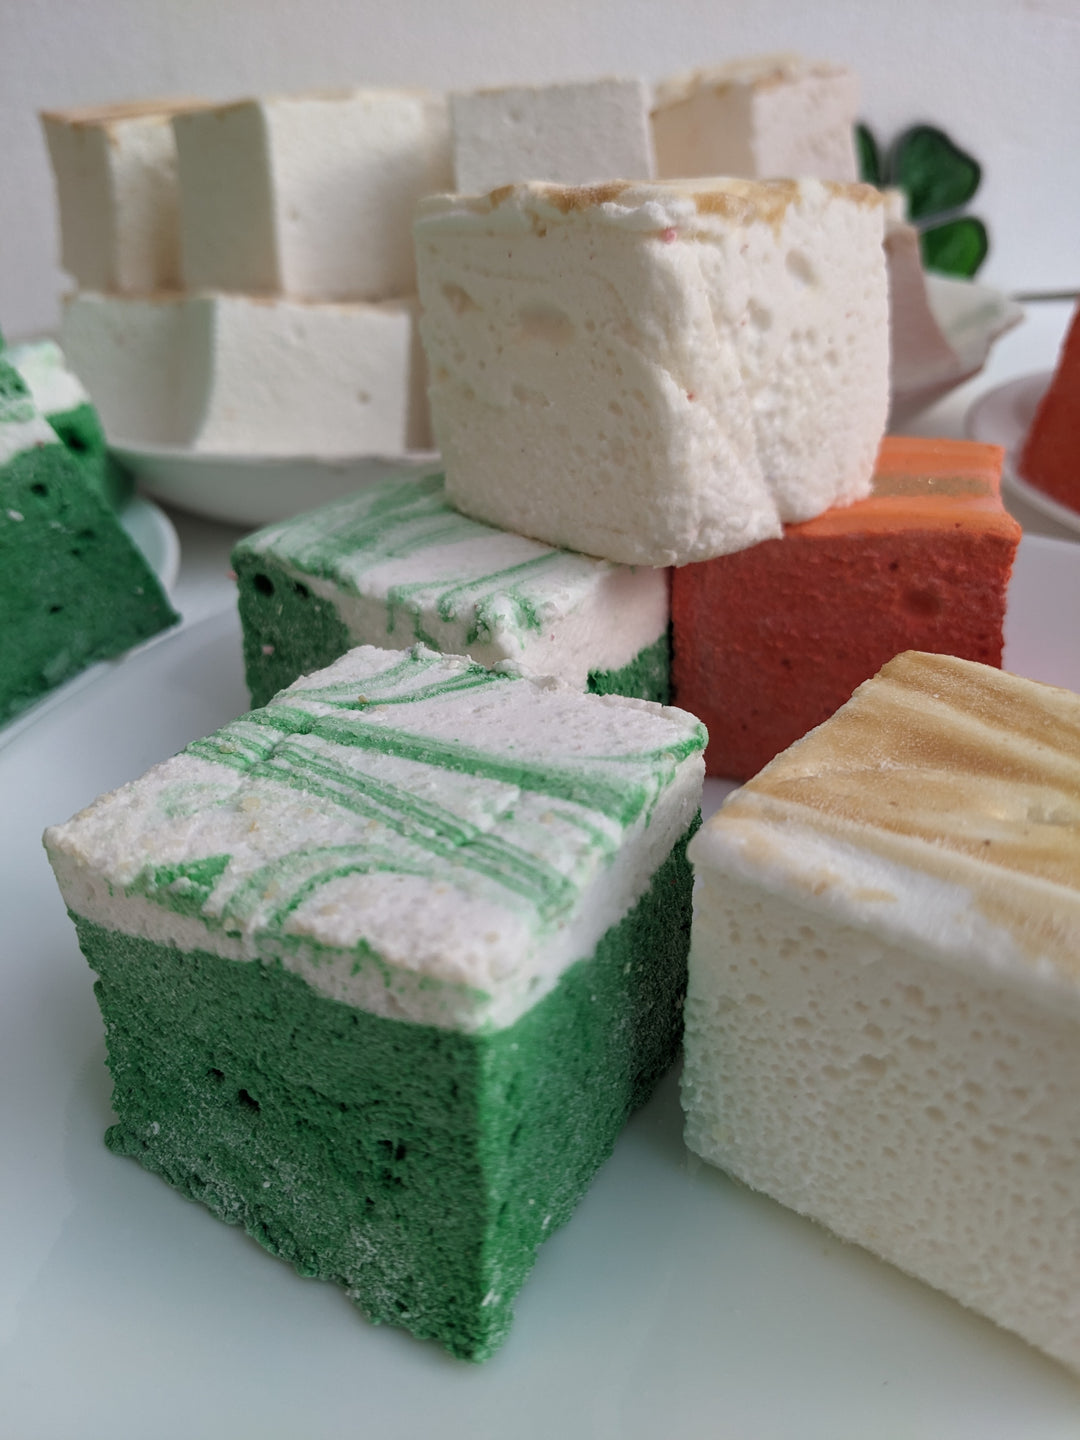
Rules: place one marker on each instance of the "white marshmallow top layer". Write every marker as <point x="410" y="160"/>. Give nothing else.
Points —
<point x="399" y="565"/>
<point x="55" y="388"/>
<point x="410" y="833"/>
<point x="938" y="810"/>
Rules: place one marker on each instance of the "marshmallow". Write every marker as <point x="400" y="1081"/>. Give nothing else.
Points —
<point x="506" y="825"/>
<point x="395" y="564"/>
<point x="921" y="356"/>
<point x="115" y="170"/>
<point x="571" y="134"/>
<point x="763" y="118"/>
<point x="309" y="196"/>
<point x="655" y="373"/>
<point x="232" y="374"/>
<point x="884" y="1008"/>
<point x="423" y="927"/>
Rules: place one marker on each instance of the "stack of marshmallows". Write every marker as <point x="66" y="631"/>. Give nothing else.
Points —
<point x="658" y="372"/>
<point x="245" y="271"/>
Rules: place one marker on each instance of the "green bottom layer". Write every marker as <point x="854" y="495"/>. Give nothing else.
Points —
<point x="73" y="586"/>
<point x="648" y="676"/>
<point x="80" y="430"/>
<point x="289" y="631"/>
<point x="419" y="1168"/>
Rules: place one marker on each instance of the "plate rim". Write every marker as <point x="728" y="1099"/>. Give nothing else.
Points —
<point x="135" y="451"/>
<point x="978" y="425"/>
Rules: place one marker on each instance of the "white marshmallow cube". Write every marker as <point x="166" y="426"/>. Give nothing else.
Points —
<point x="231" y="375"/>
<point x="309" y="196"/>
<point x="883" y="1017"/>
<point x="655" y="374"/>
<point x="571" y="134"/>
<point x="764" y="118"/>
<point x="115" y="171"/>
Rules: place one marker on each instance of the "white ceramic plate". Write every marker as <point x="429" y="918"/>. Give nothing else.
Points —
<point x="254" y="490"/>
<point x="972" y="317"/>
<point x="1003" y="417"/>
<point x="675" y="1303"/>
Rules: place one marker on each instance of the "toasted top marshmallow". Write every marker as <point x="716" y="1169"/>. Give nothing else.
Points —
<point x="939" y="808"/>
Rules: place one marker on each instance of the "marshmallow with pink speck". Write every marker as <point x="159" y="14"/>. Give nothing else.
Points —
<point x="655" y="373"/>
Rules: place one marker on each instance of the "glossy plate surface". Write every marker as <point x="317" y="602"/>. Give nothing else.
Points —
<point x="675" y="1303"/>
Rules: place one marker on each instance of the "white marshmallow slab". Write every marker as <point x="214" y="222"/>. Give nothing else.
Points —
<point x="115" y="171"/>
<point x="763" y="118"/>
<point x="229" y="374"/>
<point x="883" y="1019"/>
<point x="656" y="373"/>
<point x="309" y="196"/>
<point x="570" y="134"/>
<point x="129" y="353"/>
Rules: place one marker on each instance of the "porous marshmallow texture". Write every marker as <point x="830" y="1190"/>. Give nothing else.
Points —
<point x="571" y="134"/>
<point x="309" y="196"/>
<point x="235" y="375"/>
<point x="763" y="118"/>
<point x="116" y="183"/>
<point x="884" y="1000"/>
<point x="655" y="374"/>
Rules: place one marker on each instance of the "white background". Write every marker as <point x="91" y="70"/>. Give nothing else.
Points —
<point x="1001" y="76"/>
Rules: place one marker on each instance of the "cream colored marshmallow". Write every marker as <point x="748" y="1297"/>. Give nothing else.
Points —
<point x="884" y="1006"/>
<point x="921" y="356"/>
<point x="655" y="373"/>
<point x="230" y="374"/>
<point x="309" y="196"/>
<point x="570" y="134"/>
<point x="763" y="118"/>
<point x="115" y="170"/>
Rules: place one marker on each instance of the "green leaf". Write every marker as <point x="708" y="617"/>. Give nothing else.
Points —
<point x="937" y="175"/>
<point x="866" y="148"/>
<point x="956" y="248"/>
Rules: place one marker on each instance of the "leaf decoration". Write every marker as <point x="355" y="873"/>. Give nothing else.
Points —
<point x="866" y="148"/>
<point x="956" y="248"/>
<point x="936" y="174"/>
